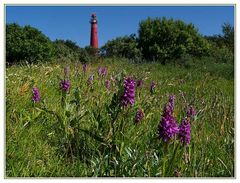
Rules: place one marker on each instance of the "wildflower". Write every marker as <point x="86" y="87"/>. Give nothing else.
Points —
<point x="139" y="82"/>
<point x="104" y="71"/>
<point x="90" y="79"/>
<point x="36" y="94"/>
<point x="107" y="84"/>
<point x="168" y="110"/>
<point x="139" y="116"/>
<point x="99" y="71"/>
<point x="172" y="100"/>
<point x="65" y="85"/>
<point x="128" y="96"/>
<point x="84" y="68"/>
<point x="170" y="106"/>
<point x="153" y="86"/>
<point x="168" y="126"/>
<point x="185" y="131"/>
<point x="191" y="112"/>
<point x="66" y="71"/>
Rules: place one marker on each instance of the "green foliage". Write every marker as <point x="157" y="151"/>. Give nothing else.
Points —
<point x="89" y="54"/>
<point x="222" y="55"/>
<point x="66" y="50"/>
<point x="69" y="51"/>
<point x="224" y="41"/>
<point x="123" y="47"/>
<point x="91" y="50"/>
<point x="219" y="64"/>
<point x="84" y="56"/>
<point x="228" y="36"/>
<point x="222" y="46"/>
<point x="27" y="44"/>
<point x="215" y="40"/>
<point x="162" y="39"/>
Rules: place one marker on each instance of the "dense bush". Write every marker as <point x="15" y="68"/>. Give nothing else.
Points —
<point x="91" y="51"/>
<point x="159" y="39"/>
<point x="125" y="46"/>
<point x="31" y="45"/>
<point x="162" y="39"/>
<point x="70" y="51"/>
<point x="27" y="44"/>
<point x="222" y="46"/>
<point x="222" y="55"/>
<point x="66" y="50"/>
<point x="228" y="36"/>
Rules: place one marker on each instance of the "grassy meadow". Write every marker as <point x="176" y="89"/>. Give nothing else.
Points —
<point x="84" y="132"/>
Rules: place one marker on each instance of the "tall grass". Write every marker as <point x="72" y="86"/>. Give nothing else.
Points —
<point x="89" y="136"/>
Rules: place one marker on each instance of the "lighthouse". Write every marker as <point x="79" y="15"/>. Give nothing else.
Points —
<point x="94" y="33"/>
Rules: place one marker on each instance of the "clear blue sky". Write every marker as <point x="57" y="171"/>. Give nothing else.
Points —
<point x="72" y="22"/>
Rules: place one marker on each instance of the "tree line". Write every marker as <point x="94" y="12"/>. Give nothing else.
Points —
<point x="159" y="39"/>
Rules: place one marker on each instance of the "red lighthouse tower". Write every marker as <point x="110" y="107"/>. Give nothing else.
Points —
<point x="94" y="33"/>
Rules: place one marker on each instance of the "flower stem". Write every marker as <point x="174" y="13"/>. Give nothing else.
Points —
<point x="165" y="151"/>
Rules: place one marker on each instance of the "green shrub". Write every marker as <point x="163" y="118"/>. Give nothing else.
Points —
<point x="69" y="51"/>
<point x="226" y="40"/>
<point x="66" y="50"/>
<point x="185" y="60"/>
<point x="86" y="55"/>
<point x="228" y="36"/>
<point x="222" y="55"/>
<point x="162" y="40"/>
<point x="126" y="47"/>
<point x="27" y="44"/>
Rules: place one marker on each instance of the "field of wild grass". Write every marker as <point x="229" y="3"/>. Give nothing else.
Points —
<point x="86" y="131"/>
